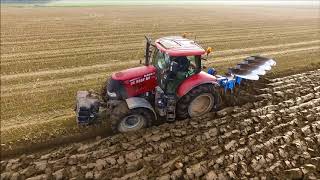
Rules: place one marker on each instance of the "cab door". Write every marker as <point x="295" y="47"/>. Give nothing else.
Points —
<point x="160" y="60"/>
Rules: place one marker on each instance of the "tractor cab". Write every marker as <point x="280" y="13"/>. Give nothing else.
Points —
<point x="175" y="59"/>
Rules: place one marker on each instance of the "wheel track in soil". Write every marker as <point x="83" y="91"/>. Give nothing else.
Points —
<point x="89" y="48"/>
<point x="71" y="44"/>
<point x="195" y="29"/>
<point x="134" y="39"/>
<point x="277" y="135"/>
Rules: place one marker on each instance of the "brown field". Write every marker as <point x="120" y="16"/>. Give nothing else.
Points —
<point x="276" y="136"/>
<point x="48" y="53"/>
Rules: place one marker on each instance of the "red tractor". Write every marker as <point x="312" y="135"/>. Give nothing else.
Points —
<point x="171" y="85"/>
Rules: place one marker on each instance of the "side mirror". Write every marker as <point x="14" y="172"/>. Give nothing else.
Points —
<point x="174" y="67"/>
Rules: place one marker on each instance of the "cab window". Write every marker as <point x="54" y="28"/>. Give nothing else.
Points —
<point x="192" y="60"/>
<point x="160" y="60"/>
<point x="187" y="63"/>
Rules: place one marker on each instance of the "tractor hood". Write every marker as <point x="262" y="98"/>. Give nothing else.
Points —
<point x="134" y="73"/>
<point x="134" y="81"/>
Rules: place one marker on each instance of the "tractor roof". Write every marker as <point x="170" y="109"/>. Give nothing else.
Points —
<point x="179" y="46"/>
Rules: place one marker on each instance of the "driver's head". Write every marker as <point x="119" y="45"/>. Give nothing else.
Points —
<point x="182" y="61"/>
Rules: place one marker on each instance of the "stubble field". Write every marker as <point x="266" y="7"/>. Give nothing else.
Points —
<point x="49" y="53"/>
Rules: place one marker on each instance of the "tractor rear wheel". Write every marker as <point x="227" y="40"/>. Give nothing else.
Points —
<point x="197" y="102"/>
<point x="124" y="119"/>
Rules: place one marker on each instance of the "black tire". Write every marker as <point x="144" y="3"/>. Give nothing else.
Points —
<point x="121" y="112"/>
<point x="184" y="103"/>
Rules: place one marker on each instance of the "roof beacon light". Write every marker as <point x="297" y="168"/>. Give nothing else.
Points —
<point x="209" y="50"/>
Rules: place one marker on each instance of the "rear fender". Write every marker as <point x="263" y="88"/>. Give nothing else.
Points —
<point x="138" y="102"/>
<point x="194" y="81"/>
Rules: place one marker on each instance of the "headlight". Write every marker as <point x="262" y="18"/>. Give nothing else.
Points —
<point x="111" y="94"/>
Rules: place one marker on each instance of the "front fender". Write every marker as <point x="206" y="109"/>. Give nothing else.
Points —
<point x="138" y="102"/>
<point x="195" y="80"/>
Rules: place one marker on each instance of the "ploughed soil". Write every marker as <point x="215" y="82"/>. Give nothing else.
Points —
<point x="275" y="135"/>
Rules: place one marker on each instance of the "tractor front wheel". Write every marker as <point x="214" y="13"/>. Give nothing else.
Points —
<point x="197" y="102"/>
<point x="124" y="119"/>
